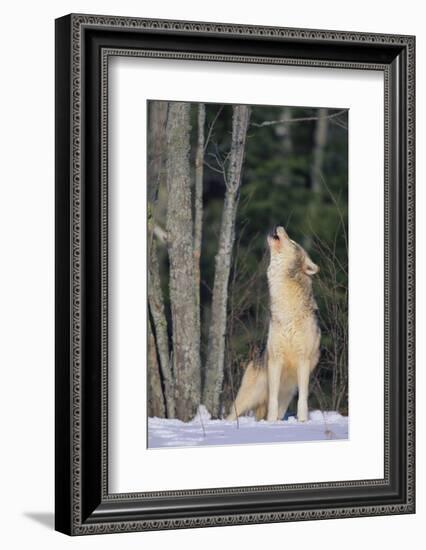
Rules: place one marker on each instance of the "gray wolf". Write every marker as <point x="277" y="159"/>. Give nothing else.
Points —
<point x="293" y="345"/>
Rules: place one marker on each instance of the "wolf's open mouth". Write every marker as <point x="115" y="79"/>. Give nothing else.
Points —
<point x="274" y="234"/>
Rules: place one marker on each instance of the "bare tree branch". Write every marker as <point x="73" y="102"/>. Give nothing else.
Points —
<point x="292" y="120"/>
<point x="213" y="168"/>
<point x="210" y="130"/>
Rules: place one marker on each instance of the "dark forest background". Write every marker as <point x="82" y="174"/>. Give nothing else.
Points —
<point x="295" y="173"/>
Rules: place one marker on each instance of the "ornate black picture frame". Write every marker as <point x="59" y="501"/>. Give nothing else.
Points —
<point x="83" y="45"/>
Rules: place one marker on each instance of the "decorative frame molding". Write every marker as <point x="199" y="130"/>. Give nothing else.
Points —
<point x="84" y="44"/>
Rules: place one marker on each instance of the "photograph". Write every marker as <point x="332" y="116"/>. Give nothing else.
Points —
<point x="247" y="260"/>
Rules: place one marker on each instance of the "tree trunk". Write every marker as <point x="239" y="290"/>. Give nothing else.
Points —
<point x="156" y="170"/>
<point x="156" y="307"/>
<point x="198" y="208"/>
<point x="156" y="146"/>
<point x="155" y="391"/>
<point x="216" y="342"/>
<point x="319" y="145"/>
<point x="180" y="242"/>
<point x="283" y="133"/>
<point x="320" y="142"/>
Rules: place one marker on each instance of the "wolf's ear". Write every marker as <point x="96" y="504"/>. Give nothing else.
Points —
<point x="309" y="268"/>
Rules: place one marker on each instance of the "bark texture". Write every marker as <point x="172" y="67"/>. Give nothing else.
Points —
<point x="156" y="146"/>
<point x="156" y="307"/>
<point x="155" y="391"/>
<point x="217" y="332"/>
<point x="156" y="172"/>
<point x="180" y="243"/>
<point x="198" y="208"/>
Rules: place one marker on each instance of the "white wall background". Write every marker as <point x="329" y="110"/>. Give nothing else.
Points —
<point x="27" y="245"/>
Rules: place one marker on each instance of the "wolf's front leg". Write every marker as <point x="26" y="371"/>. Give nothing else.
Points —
<point x="274" y="377"/>
<point x="303" y="372"/>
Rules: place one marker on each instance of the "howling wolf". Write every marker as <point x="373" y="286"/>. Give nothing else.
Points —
<point x="293" y="346"/>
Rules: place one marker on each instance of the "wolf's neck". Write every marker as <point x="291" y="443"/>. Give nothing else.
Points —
<point x="290" y="296"/>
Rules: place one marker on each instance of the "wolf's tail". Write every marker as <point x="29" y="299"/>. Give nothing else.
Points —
<point x="252" y="392"/>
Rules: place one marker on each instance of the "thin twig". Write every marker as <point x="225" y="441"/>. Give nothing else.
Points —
<point x="209" y="133"/>
<point x="292" y="120"/>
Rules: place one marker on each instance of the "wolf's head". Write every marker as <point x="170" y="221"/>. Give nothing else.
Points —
<point x="289" y="256"/>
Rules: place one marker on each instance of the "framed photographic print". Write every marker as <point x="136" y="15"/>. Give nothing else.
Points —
<point x="234" y="274"/>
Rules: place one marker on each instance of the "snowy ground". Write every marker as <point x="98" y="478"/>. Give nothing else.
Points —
<point x="202" y="430"/>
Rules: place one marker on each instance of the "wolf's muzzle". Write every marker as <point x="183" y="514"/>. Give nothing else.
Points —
<point x="273" y="233"/>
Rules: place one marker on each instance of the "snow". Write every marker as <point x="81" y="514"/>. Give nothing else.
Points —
<point x="203" y="431"/>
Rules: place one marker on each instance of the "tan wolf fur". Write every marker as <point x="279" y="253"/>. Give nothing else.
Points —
<point x="293" y="345"/>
